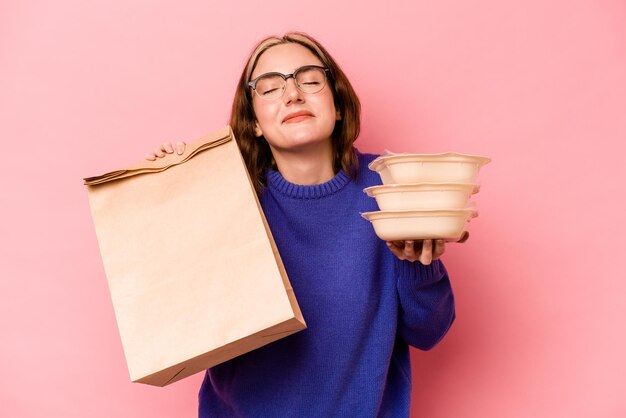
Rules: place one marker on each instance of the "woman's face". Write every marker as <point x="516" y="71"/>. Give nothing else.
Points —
<point x="275" y="119"/>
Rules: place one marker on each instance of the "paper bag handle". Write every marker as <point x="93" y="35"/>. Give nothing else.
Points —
<point x="160" y="164"/>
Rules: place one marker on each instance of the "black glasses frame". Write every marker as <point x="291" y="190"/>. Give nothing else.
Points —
<point x="293" y="75"/>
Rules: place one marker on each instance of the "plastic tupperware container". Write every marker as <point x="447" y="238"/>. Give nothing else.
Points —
<point x="420" y="224"/>
<point x="419" y="168"/>
<point x="422" y="196"/>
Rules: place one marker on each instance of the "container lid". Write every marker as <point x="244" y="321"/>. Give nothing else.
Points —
<point x="384" y="160"/>
<point x="394" y="214"/>
<point x="426" y="186"/>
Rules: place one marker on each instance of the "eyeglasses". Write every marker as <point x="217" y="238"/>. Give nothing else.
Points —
<point x="309" y="79"/>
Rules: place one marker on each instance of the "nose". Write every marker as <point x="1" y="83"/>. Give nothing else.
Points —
<point x="292" y="92"/>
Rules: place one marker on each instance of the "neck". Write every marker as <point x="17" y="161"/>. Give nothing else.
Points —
<point x="313" y="165"/>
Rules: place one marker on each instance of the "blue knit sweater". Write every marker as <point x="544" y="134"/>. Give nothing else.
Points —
<point x="361" y="304"/>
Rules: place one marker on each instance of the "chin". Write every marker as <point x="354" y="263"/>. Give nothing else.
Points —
<point x="307" y="136"/>
<point x="306" y="140"/>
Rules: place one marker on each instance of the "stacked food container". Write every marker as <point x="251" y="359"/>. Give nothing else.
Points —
<point x="424" y="196"/>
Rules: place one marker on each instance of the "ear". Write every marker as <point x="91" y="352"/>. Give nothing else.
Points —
<point x="338" y="115"/>
<point x="257" y="129"/>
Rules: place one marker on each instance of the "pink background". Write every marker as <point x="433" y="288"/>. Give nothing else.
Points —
<point x="539" y="86"/>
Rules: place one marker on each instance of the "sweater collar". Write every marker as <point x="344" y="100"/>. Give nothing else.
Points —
<point x="276" y="182"/>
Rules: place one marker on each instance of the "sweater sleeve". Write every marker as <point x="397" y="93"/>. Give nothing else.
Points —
<point x="426" y="309"/>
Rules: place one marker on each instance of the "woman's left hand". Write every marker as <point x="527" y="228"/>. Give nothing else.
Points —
<point x="418" y="250"/>
<point x="424" y="251"/>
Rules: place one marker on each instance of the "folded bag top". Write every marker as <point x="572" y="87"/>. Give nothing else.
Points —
<point x="183" y="299"/>
<point x="143" y="167"/>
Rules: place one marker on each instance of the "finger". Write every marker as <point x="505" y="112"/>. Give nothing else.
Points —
<point x="159" y="153"/>
<point x="150" y="157"/>
<point x="167" y="147"/>
<point x="426" y="256"/>
<point x="440" y="248"/>
<point x="409" y="250"/>
<point x="464" y="237"/>
<point x="395" y="250"/>
<point x="180" y="148"/>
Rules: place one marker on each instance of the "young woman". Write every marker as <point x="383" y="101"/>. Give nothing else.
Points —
<point x="295" y="117"/>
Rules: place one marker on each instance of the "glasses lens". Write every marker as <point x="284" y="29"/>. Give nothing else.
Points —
<point x="311" y="79"/>
<point x="270" y="86"/>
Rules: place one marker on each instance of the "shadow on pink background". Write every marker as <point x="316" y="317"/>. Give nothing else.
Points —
<point x="86" y="87"/>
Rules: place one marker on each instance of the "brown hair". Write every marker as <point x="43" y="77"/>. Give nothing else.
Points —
<point x="256" y="151"/>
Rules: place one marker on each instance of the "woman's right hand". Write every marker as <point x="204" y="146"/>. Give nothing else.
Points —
<point x="166" y="148"/>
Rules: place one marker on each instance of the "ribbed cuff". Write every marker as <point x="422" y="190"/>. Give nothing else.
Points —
<point x="415" y="274"/>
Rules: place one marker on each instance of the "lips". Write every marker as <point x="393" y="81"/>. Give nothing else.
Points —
<point x="297" y="116"/>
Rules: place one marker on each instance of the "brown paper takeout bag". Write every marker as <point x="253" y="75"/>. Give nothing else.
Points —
<point x="194" y="274"/>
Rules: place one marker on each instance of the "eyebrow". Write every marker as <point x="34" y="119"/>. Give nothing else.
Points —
<point x="252" y="76"/>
